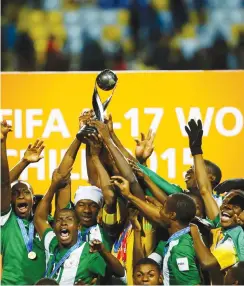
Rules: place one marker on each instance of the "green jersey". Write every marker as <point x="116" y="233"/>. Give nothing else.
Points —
<point x="178" y="260"/>
<point x="81" y="264"/>
<point x="18" y="269"/>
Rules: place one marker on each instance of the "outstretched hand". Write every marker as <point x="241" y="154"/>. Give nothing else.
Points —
<point x="85" y="116"/>
<point x="144" y="147"/>
<point x="137" y="171"/>
<point x="33" y="152"/>
<point x="195" y="133"/>
<point x="5" y="129"/>
<point x="101" y="127"/>
<point x="133" y="218"/>
<point x="96" y="246"/>
<point x="122" y="184"/>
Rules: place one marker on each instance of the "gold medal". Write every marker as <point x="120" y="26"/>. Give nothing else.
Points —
<point x="32" y="255"/>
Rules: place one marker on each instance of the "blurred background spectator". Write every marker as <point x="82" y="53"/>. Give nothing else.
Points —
<point x="62" y="35"/>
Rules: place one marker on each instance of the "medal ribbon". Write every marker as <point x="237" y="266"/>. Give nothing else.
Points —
<point x="62" y="260"/>
<point x="176" y="235"/>
<point x="28" y="239"/>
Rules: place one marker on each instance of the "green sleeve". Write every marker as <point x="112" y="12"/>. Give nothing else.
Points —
<point x="215" y="223"/>
<point x="97" y="265"/>
<point x="160" y="248"/>
<point x="167" y="187"/>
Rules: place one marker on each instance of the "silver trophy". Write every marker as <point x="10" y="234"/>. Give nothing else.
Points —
<point x="106" y="80"/>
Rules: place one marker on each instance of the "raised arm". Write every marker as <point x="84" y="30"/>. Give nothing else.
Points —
<point x="195" y="134"/>
<point x="104" y="179"/>
<point x="158" y="193"/>
<point x="120" y="161"/>
<point x="5" y="179"/>
<point x="63" y="196"/>
<point x="204" y="255"/>
<point x="31" y="155"/>
<point x="117" y="142"/>
<point x="42" y="211"/>
<point x="149" y="210"/>
<point x="136" y="226"/>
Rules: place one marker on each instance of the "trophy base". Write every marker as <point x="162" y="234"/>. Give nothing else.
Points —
<point x="84" y="131"/>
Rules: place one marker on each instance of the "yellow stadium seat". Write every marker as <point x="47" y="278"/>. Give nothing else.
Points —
<point x="123" y="17"/>
<point x="58" y="31"/>
<point x="54" y="17"/>
<point x="175" y="43"/>
<point x="40" y="45"/>
<point x="38" y="32"/>
<point x="236" y="29"/>
<point x="161" y="4"/>
<point x="188" y="31"/>
<point x="193" y="19"/>
<point x="128" y="46"/>
<point x="112" y="33"/>
<point x="36" y="17"/>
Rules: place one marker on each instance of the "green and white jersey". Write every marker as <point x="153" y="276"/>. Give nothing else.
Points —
<point x="18" y="269"/>
<point x="178" y="261"/>
<point x="81" y="264"/>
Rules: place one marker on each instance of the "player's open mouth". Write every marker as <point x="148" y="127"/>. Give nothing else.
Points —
<point x="225" y="216"/>
<point x="64" y="234"/>
<point x="22" y="207"/>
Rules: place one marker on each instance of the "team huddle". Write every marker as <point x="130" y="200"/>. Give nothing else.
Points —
<point x="129" y="226"/>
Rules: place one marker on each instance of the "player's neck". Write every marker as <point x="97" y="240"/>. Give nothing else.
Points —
<point x="175" y="227"/>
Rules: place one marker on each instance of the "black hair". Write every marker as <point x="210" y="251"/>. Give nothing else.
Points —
<point x="46" y="281"/>
<point x="145" y="261"/>
<point x="70" y="210"/>
<point x="214" y="170"/>
<point x="184" y="207"/>
<point x="237" y="272"/>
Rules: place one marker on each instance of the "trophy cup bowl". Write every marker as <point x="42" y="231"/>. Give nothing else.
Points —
<point x="106" y="80"/>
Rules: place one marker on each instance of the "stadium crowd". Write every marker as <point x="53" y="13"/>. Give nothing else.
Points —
<point x="129" y="226"/>
<point x="91" y="35"/>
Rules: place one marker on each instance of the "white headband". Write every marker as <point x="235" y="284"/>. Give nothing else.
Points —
<point x="92" y="193"/>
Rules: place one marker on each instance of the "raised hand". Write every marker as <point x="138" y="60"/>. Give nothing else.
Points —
<point x="85" y="116"/>
<point x="5" y="129"/>
<point x="122" y="184"/>
<point x="61" y="180"/>
<point x="96" y="246"/>
<point x="101" y="127"/>
<point x="33" y="152"/>
<point x="133" y="217"/>
<point x="137" y="171"/>
<point x="195" y="133"/>
<point x="144" y="148"/>
<point x="109" y="121"/>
